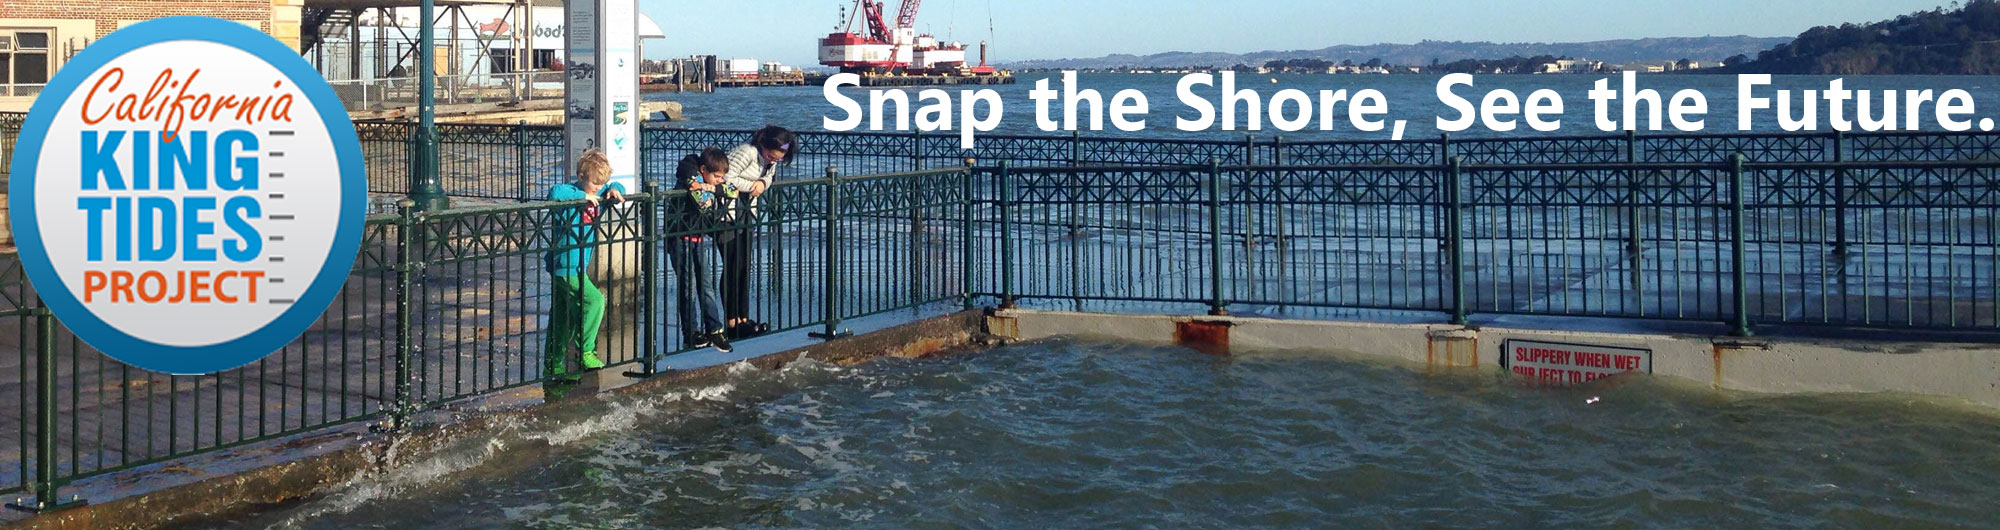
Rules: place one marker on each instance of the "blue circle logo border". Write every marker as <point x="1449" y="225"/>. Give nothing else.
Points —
<point x="189" y="360"/>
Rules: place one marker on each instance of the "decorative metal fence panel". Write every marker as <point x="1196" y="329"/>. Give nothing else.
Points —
<point x="385" y="146"/>
<point x="1920" y="146"/>
<point x="1895" y="244"/>
<point x="1880" y="244"/>
<point x="1105" y="234"/>
<point x="1108" y="151"/>
<point x="1880" y="230"/>
<point x="1016" y="150"/>
<point x="451" y="305"/>
<point x="1335" y="236"/>
<point x="104" y="416"/>
<point x="519" y="162"/>
<point x="19" y="329"/>
<point x="10" y="128"/>
<point x="1712" y="148"/>
<point x="1545" y="150"/>
<point x="1327" y="153"/>
<point x="1596" y="240"/>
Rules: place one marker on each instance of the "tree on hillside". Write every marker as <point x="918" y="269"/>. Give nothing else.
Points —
<point x="1938" y="41"/>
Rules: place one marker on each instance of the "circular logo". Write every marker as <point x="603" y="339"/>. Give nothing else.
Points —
<point x="187" y="195"/>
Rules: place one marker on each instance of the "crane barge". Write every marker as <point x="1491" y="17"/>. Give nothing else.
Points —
<point x="867" y="43"/>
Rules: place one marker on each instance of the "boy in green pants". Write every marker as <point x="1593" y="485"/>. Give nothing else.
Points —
<point x="578" y="307"/>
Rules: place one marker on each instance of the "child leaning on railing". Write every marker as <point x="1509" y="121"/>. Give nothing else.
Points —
<point x="699" y="305"/>
<point x="578" y="307"/>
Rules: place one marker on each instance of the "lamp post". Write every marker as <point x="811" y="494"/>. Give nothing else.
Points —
<point x="426" y="189"/>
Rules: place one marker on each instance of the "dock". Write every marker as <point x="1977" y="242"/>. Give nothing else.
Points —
<point x="878" y="80"/>
<point x="670" y="83"/>
<point x="795" y="79"/>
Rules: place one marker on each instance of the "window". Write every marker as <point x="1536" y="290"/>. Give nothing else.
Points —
<point x="501" y="60"/>
<point x="37" y="40"/>
<point x="25" y="59"/>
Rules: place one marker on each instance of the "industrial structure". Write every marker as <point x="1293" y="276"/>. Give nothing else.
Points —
<point x="894" y="49"/>
<point x="493" y="56"/>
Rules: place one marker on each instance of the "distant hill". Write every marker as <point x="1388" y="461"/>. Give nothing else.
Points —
<point x="1419" y="54"/>
<point x="1964" y="41"/>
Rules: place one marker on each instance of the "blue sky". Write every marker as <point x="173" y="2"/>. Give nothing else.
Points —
<point x="784" y="30"/>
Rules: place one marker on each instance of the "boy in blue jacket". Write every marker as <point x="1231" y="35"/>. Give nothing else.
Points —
<point x="578" y="307"/>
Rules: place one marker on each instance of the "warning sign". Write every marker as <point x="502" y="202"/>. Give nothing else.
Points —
<point x="1568" y="364"/>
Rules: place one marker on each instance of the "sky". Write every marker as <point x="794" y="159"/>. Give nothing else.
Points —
<point x="786" y="30"/>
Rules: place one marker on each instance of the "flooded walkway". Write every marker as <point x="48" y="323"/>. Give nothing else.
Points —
<point x="1070" y="434"/>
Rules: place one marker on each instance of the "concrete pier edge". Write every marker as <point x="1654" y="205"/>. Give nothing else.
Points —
<point x="1950" y="370"/>
<point x="304" y="477"/>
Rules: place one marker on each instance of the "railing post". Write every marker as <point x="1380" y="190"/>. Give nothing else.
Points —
<point x="1282" y="237"/>
<point x="1739" y="278"/>
<point x="1006" y="235"/>
<point x="917" y="149"/>
<point x="407" y="265"/>
<point x="45" y="405"/>
<point x="1216" y="304"/>
<point x="426" y="185"/>
<point x="44" y="484"/>
<point x="650" y="232"/>
<point x="1840" y="194"/>
<point x="1249" y="150"/>
<point x="1444" y="147"/>
<point x="915" y="255"/>
<point x="1634" y="241"/>
<point x="1635" y="244"/>
<point x="1455" y="238"/>
<point x="965" y="228"/>
<point x="1075" y="148"/>
<point x="526" y="186"/>
<point x="832" y="238"/>
<point x="1075" y="212"/>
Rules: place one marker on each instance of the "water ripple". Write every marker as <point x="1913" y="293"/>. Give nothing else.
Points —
<point x="1067" y="434"/>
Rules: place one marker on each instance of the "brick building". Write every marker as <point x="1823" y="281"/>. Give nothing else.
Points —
<point x="37" y="36"/>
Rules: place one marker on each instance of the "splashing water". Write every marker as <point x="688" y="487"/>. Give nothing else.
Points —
<point x="1073" y="435"/>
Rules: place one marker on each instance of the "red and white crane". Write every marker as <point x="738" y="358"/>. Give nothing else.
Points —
<point x="888" y="48"/>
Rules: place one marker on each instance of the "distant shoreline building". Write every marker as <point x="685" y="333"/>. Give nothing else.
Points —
<point x="1572" y="66"/>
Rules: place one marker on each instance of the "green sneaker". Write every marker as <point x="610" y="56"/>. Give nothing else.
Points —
<point x="591" y="362"/>
<point x="556" y="374"/>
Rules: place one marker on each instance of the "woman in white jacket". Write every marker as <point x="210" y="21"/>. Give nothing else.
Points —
<point x="753" y="168"/>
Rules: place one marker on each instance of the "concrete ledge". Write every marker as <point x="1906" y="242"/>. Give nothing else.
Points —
<point x="441" y="430"/>
<point x="1955" y="370"/>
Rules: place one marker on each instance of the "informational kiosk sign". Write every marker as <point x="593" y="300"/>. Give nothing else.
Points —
<point x="603" y="84"/>
<point x="1568" y="364"/>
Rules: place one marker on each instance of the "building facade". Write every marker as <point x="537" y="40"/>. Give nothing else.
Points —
<point x="38" y="36"/>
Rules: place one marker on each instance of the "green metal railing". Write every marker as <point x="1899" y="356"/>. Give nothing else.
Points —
<point x="448" y="305"/>
<point x="1880" y="230"/>
<point x="520" y="162"/>
<point x="1878" y="244"/>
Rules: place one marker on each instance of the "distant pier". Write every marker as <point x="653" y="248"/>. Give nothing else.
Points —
<point x="769" y="80"/>
<point x="1002" y="78"/>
